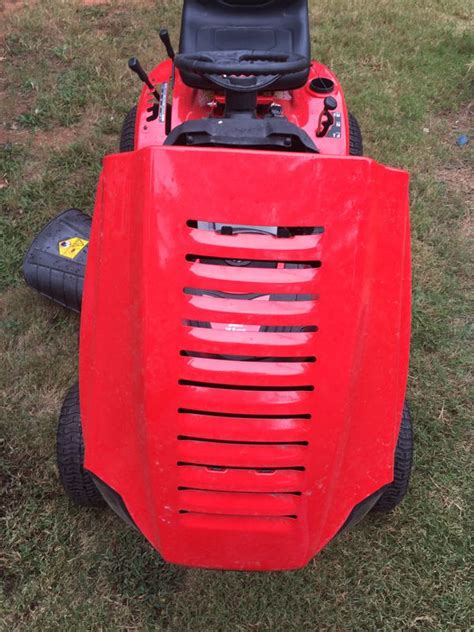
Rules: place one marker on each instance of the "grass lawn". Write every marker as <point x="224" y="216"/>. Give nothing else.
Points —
<point x="65" y="87"/>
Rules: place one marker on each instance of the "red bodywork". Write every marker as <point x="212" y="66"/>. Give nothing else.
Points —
<point x="301" y="107"/>
<point x="224" y="461"/>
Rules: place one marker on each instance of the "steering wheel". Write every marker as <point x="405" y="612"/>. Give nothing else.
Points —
<point x="241" y="70"/>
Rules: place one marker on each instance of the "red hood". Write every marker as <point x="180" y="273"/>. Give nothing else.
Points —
<point x="260" y="476"/>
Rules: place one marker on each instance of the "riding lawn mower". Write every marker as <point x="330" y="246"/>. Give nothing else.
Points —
<point x="244" y="291"/>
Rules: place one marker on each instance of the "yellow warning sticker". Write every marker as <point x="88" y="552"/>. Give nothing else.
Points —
<point x="71" y="247"/>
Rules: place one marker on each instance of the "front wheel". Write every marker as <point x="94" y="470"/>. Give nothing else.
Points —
<point x="77" y="482"/>
<point x="394" y="493"/>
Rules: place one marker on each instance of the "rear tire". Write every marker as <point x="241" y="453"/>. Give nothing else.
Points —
<point x="356" y="145"/>
<point x="396" y="491"/>
<point x="127" y="135"/>
<point x="77" y="482"/>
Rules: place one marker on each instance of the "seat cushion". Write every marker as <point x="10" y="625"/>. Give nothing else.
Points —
<point x="280" y="26"/>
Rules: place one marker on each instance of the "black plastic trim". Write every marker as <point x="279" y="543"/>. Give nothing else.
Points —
<point x="273" y="133"/>
<point x="361" y="510"/>
<point x="114" y="500"/>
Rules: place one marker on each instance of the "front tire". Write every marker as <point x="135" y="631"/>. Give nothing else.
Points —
<point x="77" y="482"/>
<point x="395" y="492"/>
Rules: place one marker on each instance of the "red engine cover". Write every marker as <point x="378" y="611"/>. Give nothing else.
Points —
<point x="244" y="445"/>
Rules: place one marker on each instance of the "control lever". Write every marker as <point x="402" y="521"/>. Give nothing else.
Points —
<point x="326" y="120"/>
<point x="136" y="67"/>
<point x="165" y="38"/>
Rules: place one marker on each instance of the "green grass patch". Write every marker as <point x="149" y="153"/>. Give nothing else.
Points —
<point x="405" y="68"/>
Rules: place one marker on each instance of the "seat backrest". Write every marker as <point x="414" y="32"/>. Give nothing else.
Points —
<point x="276" y="25"/>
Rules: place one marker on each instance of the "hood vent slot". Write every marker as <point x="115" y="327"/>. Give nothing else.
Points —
<point x="243" y="422"/>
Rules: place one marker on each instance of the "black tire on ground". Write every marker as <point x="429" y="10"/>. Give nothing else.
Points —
<point x="47" y="271"/>
<point x="396" y="491"/>
<point x="356" y="146"/>
<point x="77" y="482"/>
<point x="127" y="135"/>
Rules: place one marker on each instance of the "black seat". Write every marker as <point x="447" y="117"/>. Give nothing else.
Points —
<point x="280" y="26"/>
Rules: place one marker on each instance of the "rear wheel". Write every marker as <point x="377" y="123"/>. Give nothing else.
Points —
<point x="77" y="481"/>
<point x="127" y="135"/>
<point x="356" y="145"/>
<point x="394" y="493"/>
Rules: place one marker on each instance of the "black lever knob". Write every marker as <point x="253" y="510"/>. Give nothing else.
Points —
<point x="326" y="120"/>
<point x="330" y="104"/>
<point x="136" y="67"/>
<point x="165" y="38"/>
